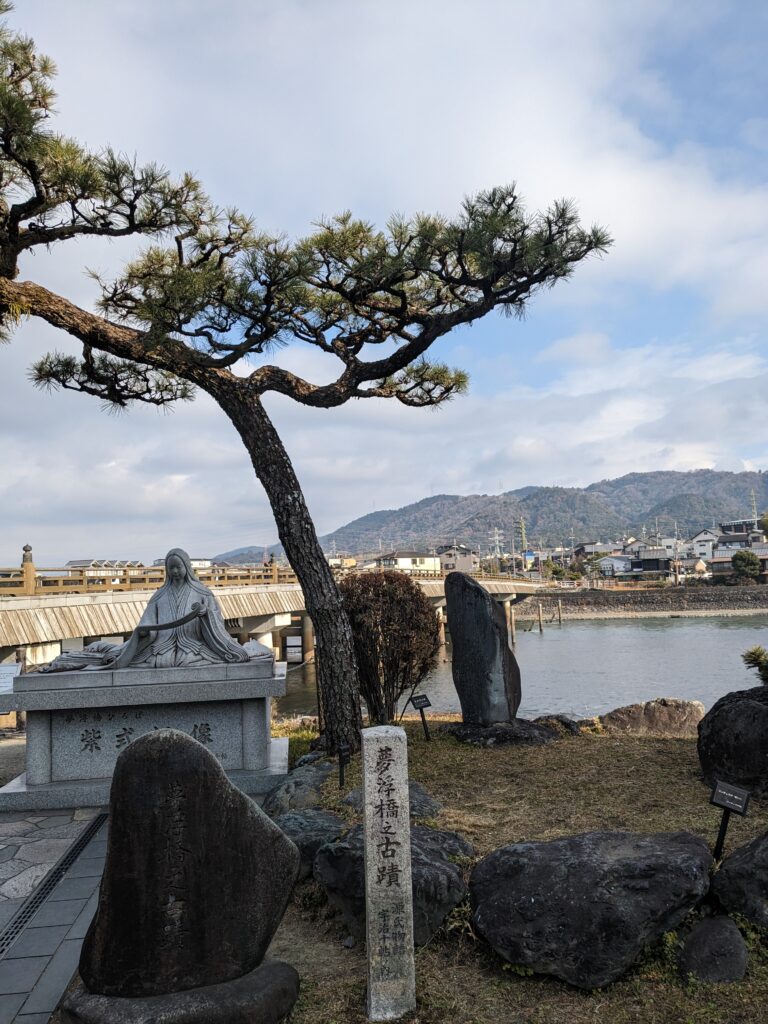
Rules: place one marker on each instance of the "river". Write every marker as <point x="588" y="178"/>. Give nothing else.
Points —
<point x="590" y="666"/>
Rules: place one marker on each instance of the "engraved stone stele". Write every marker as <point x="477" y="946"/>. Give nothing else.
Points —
<point x="196" y="882"/>
<point x="485" y="672"/>
<point x="388" y="896"/>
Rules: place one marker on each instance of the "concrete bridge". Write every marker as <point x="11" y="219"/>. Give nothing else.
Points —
<point x="39" y="625"/>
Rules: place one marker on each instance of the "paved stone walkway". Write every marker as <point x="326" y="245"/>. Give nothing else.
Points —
<point x="40" y="963"/>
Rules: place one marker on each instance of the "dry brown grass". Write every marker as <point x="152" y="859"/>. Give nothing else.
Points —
<point x="508" y="794"/>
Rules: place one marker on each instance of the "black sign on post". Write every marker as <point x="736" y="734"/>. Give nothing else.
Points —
<point x="344" y="756"/>
<point x="421" y="701"/>
<point x="731" y="799"/>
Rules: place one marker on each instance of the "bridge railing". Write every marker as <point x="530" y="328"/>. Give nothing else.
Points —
<point x="33" y="581"/>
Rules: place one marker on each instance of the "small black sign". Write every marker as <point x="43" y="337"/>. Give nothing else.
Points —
<point x="344" y="753"/>
<point x="421" y="700"/>
<point x="731" y="798"/>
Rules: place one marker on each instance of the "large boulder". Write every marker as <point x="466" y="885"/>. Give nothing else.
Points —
<point x="438" y="885"/>
<point x="420" y="803"/>
<point x="310" y="830"/>
<point x="485" y="671"/>
<point x="300" y="791"/>
<point x="196" y="880"/>
<point x="714" y="950"/>
<point x="664" y="716"/>
<point x="733" y="740"/>
<point x="582" y="908"/>
<point x="741" y="884"/>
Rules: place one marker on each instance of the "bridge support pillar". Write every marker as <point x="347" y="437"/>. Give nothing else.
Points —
<point x="509" y="615"/>
<point x="307" y="639"/>
<point x="441" y="626"/>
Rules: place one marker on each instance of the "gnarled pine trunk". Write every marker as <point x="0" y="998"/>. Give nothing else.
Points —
<point x="335" y="657"/>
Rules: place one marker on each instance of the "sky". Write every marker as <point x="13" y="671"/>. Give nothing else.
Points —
<point x="651" y="116"/>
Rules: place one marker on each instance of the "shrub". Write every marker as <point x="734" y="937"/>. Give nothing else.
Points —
<point x="396" y="636"/>
<point x="746" y="564"/>
<point x="757" y="657"/>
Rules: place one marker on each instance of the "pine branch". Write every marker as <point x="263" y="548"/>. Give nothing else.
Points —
<point x="117" y="382"/>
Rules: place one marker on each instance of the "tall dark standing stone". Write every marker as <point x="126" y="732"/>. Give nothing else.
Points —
<point x="485" y="671"/>
<point x="197" y="877"/>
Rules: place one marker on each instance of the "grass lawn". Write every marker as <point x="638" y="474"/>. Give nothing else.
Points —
<point x="509" y="794"/>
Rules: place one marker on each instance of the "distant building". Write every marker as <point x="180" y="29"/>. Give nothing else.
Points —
<point x="595" y="548"/>
<point x="409" y="561"/>
<point x="740" y="526"/>
<point x="102" y="566"/>
<point x="657" y="561"/>
<point x="458" y="558"/>
<point x="721" y="564"/>
<point x="341" y="562"/>
<point x="701" y="544"/>
<point x="197" y="563"/>
<point x="615" y="565"/>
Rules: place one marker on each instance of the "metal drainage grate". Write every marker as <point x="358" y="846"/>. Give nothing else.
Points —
<point x="35" y="900"/>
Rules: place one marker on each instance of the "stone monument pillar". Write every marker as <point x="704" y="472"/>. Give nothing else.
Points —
<point x="388" y="891"/>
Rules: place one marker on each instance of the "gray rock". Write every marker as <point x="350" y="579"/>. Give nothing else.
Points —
<point x="733" y="740"/>
<point x="310" y="830"/>
<point x="714" y="950"/>
<point x="196" y="880"/>
<point x="562" y="725"/>
<point x="582" y="908"/>
<point x="438" y="885"/>
<point x="665" y="716"/>
<point x="519" y="731"/>
<point x="741" y="884"/>
<point x="422" y="805"/>
<point x="264" y="996"/>
<point x="310" y="758"/>
<point x="485" y="671"/>
<point x="300" y="791"/>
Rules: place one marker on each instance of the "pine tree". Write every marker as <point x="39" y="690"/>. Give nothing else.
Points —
<point x="211" y="294"/>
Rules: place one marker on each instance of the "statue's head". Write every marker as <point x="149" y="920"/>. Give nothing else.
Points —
<point x="178" y="566"/>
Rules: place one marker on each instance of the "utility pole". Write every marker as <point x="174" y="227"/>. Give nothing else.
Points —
<point x="523" y="543"/>
<point x="754" y="507"/>
<point x="496" y="537"/>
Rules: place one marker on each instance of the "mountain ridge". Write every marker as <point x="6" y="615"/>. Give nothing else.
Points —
<point x="604" y="510"/>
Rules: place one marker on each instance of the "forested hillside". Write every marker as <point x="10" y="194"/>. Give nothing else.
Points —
<point x="605" y="511"/>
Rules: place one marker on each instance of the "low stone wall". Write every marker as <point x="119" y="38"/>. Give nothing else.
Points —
<point x="666" y="601"/>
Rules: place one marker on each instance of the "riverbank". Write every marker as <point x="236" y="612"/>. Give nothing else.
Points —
<point x="664" y="602"/>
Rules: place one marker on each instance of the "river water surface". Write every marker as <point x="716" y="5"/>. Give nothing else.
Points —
<point x="589" y="666"/>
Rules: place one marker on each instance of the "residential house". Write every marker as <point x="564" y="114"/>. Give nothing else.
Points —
<point x="409" y="561"/>
<point x="595" y="548"/>
<point x="615" y="565"/>
<point x="656" y="561"/>
<point x="721" y="564"/>
<point x="701" y="544"/>
<point x="458" y="558"/>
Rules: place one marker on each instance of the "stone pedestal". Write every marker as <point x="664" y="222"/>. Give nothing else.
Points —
<point x="79" y="722"/>
<point x="265" y="996"/>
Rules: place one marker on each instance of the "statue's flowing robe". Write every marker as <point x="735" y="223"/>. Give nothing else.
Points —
<point x="201" y="641"/>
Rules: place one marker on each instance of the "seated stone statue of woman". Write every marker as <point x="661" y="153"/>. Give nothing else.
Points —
<point x="200" y="640"/>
